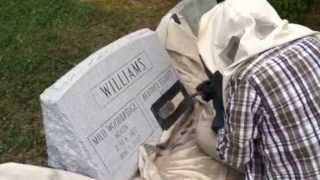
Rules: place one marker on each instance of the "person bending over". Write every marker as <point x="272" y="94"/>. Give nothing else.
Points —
<point x="268" y="121"/>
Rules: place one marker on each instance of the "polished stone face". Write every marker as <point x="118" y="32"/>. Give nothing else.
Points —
<point x="98" y="114"/>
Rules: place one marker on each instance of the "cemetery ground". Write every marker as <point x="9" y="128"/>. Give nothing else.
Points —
<point x="40" y="40"/>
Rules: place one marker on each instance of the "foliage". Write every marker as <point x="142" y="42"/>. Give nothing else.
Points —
<point x="293" y="10"/>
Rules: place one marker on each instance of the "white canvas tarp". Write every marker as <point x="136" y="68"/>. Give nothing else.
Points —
<point x="14" y="171"/>
<point x="187" y="149"/>
<point x="190" y="152"/>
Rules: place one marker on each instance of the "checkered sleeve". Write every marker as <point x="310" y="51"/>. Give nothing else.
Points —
<point x="236" y="140"/>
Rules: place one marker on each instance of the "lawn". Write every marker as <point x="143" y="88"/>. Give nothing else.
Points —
<point x="42" y="39"/>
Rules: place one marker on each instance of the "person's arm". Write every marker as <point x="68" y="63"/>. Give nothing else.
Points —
<point x="242" y="116"/>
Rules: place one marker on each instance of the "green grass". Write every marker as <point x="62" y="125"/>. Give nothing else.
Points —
<point x="42" y="39"/>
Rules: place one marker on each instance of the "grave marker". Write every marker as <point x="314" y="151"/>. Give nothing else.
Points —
<point x="97" y="115"/>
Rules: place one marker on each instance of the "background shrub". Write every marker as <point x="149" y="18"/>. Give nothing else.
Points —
<point x="293" y="10"/>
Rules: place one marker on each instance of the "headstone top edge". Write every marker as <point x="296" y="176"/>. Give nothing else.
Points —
<point x="54" y="92"/>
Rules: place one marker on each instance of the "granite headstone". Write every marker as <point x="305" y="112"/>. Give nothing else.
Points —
<point x="97" y="115"/>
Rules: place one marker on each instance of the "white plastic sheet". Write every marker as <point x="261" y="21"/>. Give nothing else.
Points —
<point x="234" y="32"/>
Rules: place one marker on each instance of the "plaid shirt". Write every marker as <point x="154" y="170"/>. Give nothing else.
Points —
<point x="273" y="114"/>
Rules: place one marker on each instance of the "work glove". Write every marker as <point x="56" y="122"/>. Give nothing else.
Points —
<point x="212" y="90"/>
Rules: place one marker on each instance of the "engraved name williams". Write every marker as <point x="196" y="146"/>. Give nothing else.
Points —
<point x="123" y="78"/>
